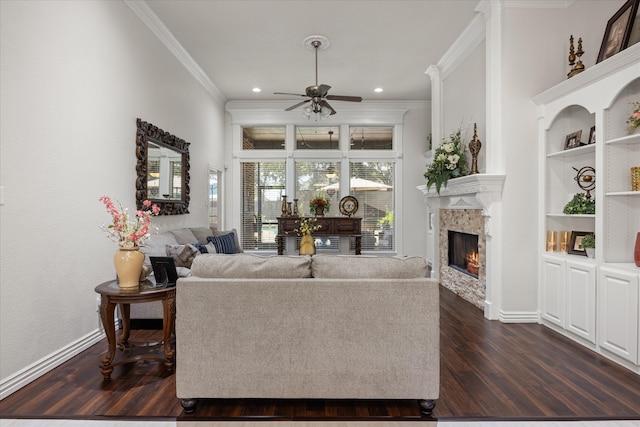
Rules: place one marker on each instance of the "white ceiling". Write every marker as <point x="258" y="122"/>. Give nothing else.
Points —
<point x="242" y="44"/>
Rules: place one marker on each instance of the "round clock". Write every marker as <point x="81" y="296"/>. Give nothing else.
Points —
<point x="348" y="205"/>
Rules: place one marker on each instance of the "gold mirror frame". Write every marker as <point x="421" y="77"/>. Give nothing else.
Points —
<point x="146" y="132"/>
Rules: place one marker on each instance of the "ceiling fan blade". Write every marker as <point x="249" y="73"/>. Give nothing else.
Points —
<point x="326" y="104"/>
<point x="344" y="98"/>
<point x="286" y="93"/>
<point x="293" y="107"/>
<point x="323" y="89"/>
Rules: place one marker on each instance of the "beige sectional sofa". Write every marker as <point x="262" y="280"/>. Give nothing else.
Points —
<point x="321" y="327"/>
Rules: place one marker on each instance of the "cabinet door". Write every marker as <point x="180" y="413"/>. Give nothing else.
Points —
<point x="553" y="290"/>
<point x="618" y="312"/>
<point x="581" y="299"/>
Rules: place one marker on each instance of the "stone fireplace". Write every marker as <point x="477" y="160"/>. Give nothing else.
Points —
<point x="468" y="206"/>
<point x="459" y="229"/>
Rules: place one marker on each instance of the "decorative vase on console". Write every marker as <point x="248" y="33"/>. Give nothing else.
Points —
<point x="129" y="234"/>
<point x="307" y="245"/>
<point x="306" y="226"/>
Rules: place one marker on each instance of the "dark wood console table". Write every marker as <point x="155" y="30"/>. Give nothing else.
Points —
<point x="342" y="226"/>
<point x="110" y="296"/>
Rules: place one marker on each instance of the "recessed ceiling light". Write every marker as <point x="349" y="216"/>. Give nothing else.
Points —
<point x="256" y="89"/>
<point x="378" y="89"/>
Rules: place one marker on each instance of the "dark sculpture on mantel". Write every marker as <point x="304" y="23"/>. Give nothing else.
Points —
<point x="474" y="146"/>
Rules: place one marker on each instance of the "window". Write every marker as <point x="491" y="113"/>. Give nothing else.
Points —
<point x="215" y="197"/>
<point x="371" y="183"/>
<point x="371" y="138"/>
<point x="318" y="179"/>
<point x="362" y="163"/>
<point x="263" y="138"/>
<point x="317" y="138"/>
<point x="263" y="184"/>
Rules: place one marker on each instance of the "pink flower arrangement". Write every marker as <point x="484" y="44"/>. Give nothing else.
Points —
<point x="129" y="233"/>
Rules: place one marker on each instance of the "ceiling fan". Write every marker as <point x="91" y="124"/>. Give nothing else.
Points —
<point x="317" y="94"/>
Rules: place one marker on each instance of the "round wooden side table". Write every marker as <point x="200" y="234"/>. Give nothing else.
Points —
<point x="110" y="296"/>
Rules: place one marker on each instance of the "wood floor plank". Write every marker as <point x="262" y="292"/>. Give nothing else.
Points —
<point x="489" y="370"/>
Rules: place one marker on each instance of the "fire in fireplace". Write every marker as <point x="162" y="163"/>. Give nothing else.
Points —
<point x="463" y="252"/>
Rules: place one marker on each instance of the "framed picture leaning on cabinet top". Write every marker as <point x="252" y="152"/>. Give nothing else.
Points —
<point x="618" y="31"/>
<point x="573" y="140"/>
<point x="575" y="243"/>
<point x="592" y="135"/>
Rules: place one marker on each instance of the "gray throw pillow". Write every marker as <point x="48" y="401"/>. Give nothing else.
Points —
<point x="183" y="255"/>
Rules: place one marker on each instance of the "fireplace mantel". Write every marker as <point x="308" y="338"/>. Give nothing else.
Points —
<point x="476" y="191"/>
<point x="480" y="192"/>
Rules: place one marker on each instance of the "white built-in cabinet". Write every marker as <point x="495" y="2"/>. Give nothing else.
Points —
<point x="596" y="302"/>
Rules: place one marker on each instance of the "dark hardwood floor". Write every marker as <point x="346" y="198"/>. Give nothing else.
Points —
<point x="489" y="370"/>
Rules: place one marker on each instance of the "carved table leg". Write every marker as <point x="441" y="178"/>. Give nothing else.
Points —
<point x="125" y="310"/>
<point x="280" y="241"/>
<point x="169" y="315"/>
<point x="358" y="245"/>
<point x="426" y="406"/>
<point x="107" y="309"/>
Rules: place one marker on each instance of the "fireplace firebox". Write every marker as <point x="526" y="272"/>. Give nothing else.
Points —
<point x="463" y="253"/>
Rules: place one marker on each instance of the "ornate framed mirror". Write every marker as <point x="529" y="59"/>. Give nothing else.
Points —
<point x="162" y="170"/>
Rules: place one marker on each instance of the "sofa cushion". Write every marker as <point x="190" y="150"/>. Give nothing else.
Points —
<point x="249" y="266"/>
<point x="235" y="237"/>
<point x="184" y="236"/>
<point x="183" y="255"/>
<point x="368" y="267"/>
<point x="157" y="245"/>
<point x="201" y="234"/>
<point x="224" y="244"/>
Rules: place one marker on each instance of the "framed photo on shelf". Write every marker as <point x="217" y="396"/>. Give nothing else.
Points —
<point x="592" y="135"/>
<point x="575" y="243"/>
<point x="618" y="30"/>
<point x="573" y="140"/>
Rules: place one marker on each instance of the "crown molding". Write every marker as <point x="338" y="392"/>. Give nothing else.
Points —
<point x="538" y="4"/>
<point x="366" y="112"/>
<point x="157" y="27"/>
<point x="464" y="45"/>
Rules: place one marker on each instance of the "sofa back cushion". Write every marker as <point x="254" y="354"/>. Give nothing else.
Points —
<point x="368" y="267"/>
<point x="184" y="236"/>
<point x="249" y="266"/>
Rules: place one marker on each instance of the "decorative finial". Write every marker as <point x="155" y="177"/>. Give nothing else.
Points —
<point x="474" y="147"/>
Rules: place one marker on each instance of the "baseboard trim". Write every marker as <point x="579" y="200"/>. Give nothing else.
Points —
<point x="518" y="316"/>
<point x="36" y="370"/>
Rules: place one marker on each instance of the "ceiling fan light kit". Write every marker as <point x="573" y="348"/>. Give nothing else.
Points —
<point x="317" y="94"/>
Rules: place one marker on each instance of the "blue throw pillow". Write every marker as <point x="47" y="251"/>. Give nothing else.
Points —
<point x="224" y="244"/>
<point x="202" y="248"/>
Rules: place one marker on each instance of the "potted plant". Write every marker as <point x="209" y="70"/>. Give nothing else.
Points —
<point x="449" y="161"/>
<point x="319" y="205"/>
<point x="589" y="245"/>
<point x="580" y="205"/>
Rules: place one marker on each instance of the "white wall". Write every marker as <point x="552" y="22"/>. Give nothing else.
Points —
<point x="417" y="125"/>
<point x="464" y="92"/>
<point x="74" y="78"/>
